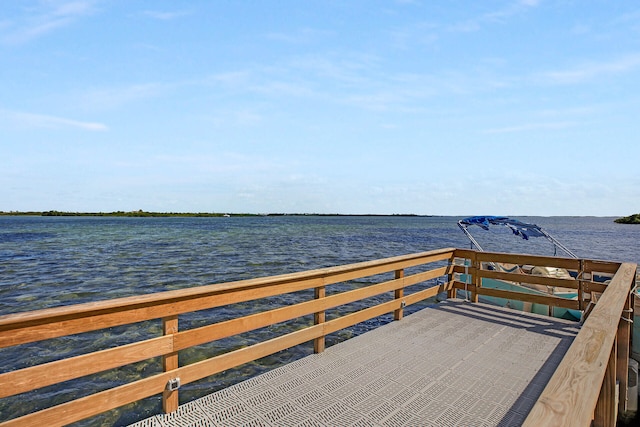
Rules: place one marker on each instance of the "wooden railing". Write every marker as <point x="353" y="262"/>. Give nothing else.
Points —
<point x="590" y="384"/>
<point x="582" y="281"/>
<point x="30" y="327"/>
<point x="595" y="361"/>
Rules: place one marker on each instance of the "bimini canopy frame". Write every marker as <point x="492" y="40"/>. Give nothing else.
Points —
<point x="519" y="228"/>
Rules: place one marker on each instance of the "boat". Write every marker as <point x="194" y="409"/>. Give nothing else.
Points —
<point x="525" y="231"/>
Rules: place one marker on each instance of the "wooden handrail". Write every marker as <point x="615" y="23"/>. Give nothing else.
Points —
<point x="573" y="392"/>
<point x="521" y="259"/>
<point x="520" y="296"/>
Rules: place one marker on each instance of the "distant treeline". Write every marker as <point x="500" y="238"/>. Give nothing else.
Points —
<point x="631" y="219"/>
<point x="141" y="213"/>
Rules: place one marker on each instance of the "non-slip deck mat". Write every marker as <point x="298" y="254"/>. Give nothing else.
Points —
<point x="455" y="364"/>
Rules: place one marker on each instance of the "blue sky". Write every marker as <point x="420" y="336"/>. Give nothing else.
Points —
<point x="510" y="107"/>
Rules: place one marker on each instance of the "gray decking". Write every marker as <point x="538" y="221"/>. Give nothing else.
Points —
<point x="457" y="364"/>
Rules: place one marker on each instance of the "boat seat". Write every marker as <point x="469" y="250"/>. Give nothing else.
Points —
<point x="508" y="268"/>
<point x="559" y="273"/>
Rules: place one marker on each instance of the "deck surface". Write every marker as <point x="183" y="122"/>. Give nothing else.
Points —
<point x="457" y="364"/>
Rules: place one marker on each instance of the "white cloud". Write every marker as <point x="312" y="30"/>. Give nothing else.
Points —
<point x="496" y="16"/>
<point x="591" y="70"/>
<point x="30" y="120"/>
<point x="46" y="17"/>
<point x="112" y="97"/>
<point x="166" y="16"/>
<point x="301" y="36"/>
<point x="530" y="127"/>
<point x="237" y="118"/>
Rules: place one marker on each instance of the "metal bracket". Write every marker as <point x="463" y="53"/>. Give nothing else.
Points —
<point x="403" y="304"/>
<point x="173" y="384"/>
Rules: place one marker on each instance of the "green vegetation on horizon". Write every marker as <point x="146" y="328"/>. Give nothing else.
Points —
<point x="631" y="219"/>
<point x="141" y="213"/>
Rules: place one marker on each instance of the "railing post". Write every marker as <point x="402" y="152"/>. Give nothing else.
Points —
<point x="452" y="292"/>
<point x="399" y="294"/>
<point x="451" y="276"/>
<point x="169" y="363"/>
<point x="318" y="318"/>
<point x="580" y="278"/>
<point x="606" y="411"/>
<point x="623" y="352"/>
<point x="477" y="281"/>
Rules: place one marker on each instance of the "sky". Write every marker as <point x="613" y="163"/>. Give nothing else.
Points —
<point x="493" y="107"/>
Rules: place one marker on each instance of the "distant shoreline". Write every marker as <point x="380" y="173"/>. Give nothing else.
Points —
<point x="145" y="214"/>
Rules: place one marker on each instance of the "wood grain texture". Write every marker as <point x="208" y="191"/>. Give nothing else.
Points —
<point x="398" y="294"/>
<point x="571" y="395"/>
<point x="169" y="363"/>
<point x="318" y="318"/>
<point x="38" y="376"/>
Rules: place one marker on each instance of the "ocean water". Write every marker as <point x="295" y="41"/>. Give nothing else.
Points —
<point x="53" y="261"/>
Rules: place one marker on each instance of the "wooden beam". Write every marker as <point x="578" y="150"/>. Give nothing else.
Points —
<point x="88" y="406"/>
<point x="476" y="263"/>
<point x="623" y="351"/>
<point x="38" y="376"/>
<point x="204" y="334"/>
<point x="521" y="259"/>
<point x="21" y="332"/>
<point x="571" y="395"/>
<point x="170" y="363"/>
<point x="398" y="294"/>
<point x="605" y="413"/>
<point x="549" y="300"/>
<point x="239" y="325"/>
<point x="95" y="404"/>
<point x="530" y="278"/>
<point x="318" y="318"/>
<point x="605" y="267"/>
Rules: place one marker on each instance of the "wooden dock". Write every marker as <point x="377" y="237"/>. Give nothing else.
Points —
<point x="456" y="364"/>
<point x="460" y="363"/>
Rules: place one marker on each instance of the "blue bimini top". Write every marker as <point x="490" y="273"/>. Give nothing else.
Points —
<point x="519" y="228"/>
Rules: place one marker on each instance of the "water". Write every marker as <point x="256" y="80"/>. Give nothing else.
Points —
<point x="53" y="261"/>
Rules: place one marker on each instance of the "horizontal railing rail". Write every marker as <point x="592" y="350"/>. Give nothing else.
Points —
<point x="473" y="265"/>
<point x="30" y="327"/>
